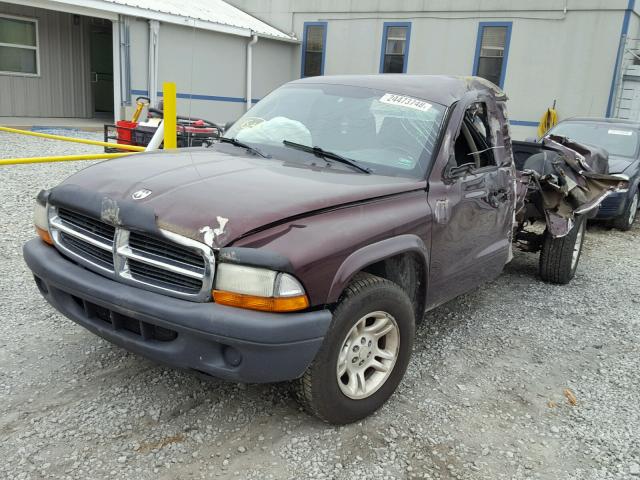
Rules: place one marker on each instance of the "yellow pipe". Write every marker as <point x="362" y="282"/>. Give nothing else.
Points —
<point x="139" y="106"/>
<point x="133" y="148"/>
<point x="63" y="158"/>
<point x="169" y="99"/>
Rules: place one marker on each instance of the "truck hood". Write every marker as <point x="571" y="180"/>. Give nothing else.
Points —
<point x="218" y="194"/>
<point x="619" y="164"/>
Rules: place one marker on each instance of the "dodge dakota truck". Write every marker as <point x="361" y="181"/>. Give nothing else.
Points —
<point x="307" y="243"/>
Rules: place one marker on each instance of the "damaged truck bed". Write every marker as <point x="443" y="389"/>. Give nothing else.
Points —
<point x="561" y="183"/>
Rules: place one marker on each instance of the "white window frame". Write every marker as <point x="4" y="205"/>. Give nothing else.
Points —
<point x="26" y="47"/>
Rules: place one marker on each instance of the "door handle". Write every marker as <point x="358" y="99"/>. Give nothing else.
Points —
<point x="442" y="211"/>
<point x="94" y="77"/>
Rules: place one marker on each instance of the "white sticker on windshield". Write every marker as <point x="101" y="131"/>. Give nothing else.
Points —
<point x="620" y="132"/>
<point x="404" y="101"/>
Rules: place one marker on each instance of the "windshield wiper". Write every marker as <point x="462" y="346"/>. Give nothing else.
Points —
<point x="319" y="152"/>
<point x="237" y="143"/>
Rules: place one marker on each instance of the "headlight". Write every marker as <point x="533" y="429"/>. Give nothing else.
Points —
<point x="258" y="289"/>
<point x="41" y="222"/>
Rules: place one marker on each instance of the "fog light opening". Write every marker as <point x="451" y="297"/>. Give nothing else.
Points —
<point x="231" y="356"/>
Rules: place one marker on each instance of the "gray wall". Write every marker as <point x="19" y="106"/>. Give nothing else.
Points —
<point x="210" y="64"/>
<point x="139" y="55"/>
<point x="567" y="57"/>
<point x="62" y="89"/>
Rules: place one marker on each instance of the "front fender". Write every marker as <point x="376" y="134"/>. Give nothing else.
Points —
<point x="373" y="253"/>
<point x="325" y="250"/>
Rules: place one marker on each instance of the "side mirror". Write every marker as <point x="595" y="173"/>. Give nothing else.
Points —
<point x="531" y="139"/>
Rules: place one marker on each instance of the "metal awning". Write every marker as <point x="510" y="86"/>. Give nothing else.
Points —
<point x="213" y="15"/>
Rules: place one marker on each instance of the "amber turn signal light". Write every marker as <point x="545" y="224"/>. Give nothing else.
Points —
<point x="265" y="304"/>
<point x="44" y="235"/>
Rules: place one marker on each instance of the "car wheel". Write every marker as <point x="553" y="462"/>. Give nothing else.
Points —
<point x="364" y="354"/>
<point x="625" y="221"/>
<point x="560" y="256"/>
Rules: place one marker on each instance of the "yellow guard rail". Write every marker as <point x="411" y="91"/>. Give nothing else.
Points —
<point x="170" y="137"/>
<point x="63" y="158"/>
<point x="133" y="148"/>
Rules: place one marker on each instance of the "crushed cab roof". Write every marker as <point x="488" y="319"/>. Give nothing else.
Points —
<point x="442" y="89"/>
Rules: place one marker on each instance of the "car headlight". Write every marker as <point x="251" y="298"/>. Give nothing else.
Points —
<point x="41" y="222"/>
<point x="258" y="289"/>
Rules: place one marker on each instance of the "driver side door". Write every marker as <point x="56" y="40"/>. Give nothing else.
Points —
<point x="471" y="195"/>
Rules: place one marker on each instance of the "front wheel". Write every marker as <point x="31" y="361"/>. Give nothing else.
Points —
<point x="364" y="354"/>
<point x="625" y="221"/>
<point x="559" y="256"/>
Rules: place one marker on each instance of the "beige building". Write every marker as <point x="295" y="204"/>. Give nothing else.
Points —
<point x="85" y="58"/>
<point x="578" y="53"/>
<point x="92" y="58"/>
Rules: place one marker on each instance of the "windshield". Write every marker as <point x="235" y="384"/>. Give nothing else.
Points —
<point x="618" y="140"/>
<point x="386" y="133"/>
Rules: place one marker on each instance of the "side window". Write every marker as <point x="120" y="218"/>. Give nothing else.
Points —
<point x="475" y="142"/>
<point x="313" y="48"/>
<point x="395" y="47"/>
<point x="492" y="50"/>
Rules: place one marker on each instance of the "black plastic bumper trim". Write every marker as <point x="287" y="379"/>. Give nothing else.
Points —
<point x="273" y="347"/>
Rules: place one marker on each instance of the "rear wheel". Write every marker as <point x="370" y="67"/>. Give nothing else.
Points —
<point x="560" y="256"/>
<point x="625" y="221"/>
<point x="364" y="355"/>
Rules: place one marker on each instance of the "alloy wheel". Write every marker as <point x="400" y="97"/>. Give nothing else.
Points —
<point x="368" y="355"/>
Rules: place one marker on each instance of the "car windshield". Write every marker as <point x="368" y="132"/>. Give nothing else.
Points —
<point x="383" y="132"/>
<point x="618" y="140"/>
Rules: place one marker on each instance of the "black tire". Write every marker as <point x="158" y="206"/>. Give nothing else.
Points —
<point x="557" y="264"/>
<point x="318" y="390"/>
<point x="625" y="221"/>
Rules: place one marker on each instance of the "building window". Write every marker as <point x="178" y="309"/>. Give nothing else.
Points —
<point x="395" y="47"/>
<point x="313" y="48"/>
<point x="18" y="45"/>
<point x="492" y="49"/>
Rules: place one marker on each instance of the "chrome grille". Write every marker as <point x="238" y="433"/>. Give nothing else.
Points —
<point x="140" y="242"/>
<point x="84" y="237"/>
<point x="101" y="257"/>
<point x="174" y="265"/>
<point x="87" y="225"/>
<point x="148" y="273"/>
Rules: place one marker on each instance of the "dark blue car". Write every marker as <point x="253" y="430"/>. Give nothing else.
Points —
<point x="621" y="139"/>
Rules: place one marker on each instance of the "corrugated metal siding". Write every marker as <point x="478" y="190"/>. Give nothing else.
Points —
<point x="211" y="66"/>
<point x="63" y="88"/>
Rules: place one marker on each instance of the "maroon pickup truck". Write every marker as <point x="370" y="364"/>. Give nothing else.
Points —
<point x="307" y="244"/>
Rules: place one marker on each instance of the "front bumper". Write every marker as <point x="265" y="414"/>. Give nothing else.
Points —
<point x="230" y="343"/>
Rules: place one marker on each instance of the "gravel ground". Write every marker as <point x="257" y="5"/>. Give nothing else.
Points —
<point x="516" y="380"/>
